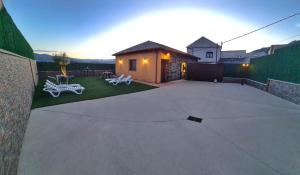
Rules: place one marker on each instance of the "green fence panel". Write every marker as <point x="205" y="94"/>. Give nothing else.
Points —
<point x="283" y="65"/>
<point x="11" y="39"/>
<point x="235" y="70"/>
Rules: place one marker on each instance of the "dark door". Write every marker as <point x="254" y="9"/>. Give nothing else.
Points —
<point x="164" y="70"/>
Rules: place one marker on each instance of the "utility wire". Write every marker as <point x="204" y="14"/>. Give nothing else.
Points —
<point x="283" y="19"/>
<point x="294" y="36"/>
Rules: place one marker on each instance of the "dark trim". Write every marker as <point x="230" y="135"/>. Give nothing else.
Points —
<point x="216" y="55"/>
<point x="156" y="66"/>
<point x="203" y="47"/>
<point x="157" y="49"/>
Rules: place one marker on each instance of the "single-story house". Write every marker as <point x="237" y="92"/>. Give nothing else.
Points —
<point x="153" y="62"/>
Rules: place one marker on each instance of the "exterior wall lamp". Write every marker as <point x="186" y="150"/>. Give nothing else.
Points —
<point x="245" y="65"/>
<point x="166" y="56"/>
<point x="145" y="61"/>
<point x="120" y="61"/>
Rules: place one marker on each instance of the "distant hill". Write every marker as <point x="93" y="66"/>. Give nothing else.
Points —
<point x="48" y="58"/>
<point x="43" y="58"/>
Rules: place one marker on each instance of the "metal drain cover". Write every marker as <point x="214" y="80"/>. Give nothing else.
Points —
<point x="195" y="119"/>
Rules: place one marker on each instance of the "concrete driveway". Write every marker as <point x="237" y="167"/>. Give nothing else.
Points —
<point x="244" y="131"/>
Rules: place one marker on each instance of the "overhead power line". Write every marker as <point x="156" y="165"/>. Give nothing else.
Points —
<point x="294" y="36"/>
<point x="283" y="19"/>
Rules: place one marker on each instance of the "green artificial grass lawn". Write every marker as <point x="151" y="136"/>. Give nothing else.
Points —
<point x="94" y="88"/>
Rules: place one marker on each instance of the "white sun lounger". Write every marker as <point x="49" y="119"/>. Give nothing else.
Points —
<point x="113" y="79"/>
<point x="62" y="85"/>
<point x="55" y="90"/>
<point x="126" y="80"/>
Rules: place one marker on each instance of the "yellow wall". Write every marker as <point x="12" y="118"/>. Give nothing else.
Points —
<point x="144" y="71"/>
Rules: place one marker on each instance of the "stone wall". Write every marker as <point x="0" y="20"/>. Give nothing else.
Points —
<point x="257" y="84"/>
<point x="285" y="90"/>
<point x="174" y="69"/>
<point x="16" y="91"/>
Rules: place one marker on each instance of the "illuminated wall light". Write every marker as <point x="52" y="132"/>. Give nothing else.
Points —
<point x="120" y="61"/>
<point x="145" y="61"/>
<point x="166" y="56"/>
<point x="245" y="65"/>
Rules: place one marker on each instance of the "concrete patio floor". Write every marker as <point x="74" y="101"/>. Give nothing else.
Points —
<point x="244" y="131"/>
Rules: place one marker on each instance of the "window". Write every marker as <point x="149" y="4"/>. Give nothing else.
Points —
<point x="132" y="65"/>
<point x="209" y="54"/>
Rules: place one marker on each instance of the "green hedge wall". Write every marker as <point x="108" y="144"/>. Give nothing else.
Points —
<point x="42" y="66"/>
<point x="235" y="70"/>
<point x="11" y="39"/>
<point x="283" y="65"/>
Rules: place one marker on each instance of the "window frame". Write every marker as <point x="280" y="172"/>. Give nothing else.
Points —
<point x="132" y="67"/>
<point x="209" y="54"/>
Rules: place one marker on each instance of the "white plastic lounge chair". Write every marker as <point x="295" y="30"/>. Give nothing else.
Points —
<point x="112" y="79"/>
<point x="62" y="85"/>
<point x="55" y="90"/>
<point x="126" y="80"/>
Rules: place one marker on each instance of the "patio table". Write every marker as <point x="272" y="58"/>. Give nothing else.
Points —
<point x="63" y="79"/>
<point x="107" y="74"/>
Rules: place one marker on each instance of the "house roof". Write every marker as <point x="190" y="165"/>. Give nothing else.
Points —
<point x="149" y="46"/>
<point x="234" y="54"/>
<point x="235" y="60"/>
<point x="264" y="49"/>
<point x="203" y="42"/>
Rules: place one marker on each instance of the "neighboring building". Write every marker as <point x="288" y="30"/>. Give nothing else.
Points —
<point x="234" y="57"/>
<point x="258" y="53"/>
<point x="153" y="62"/>
<point x="266" y="51"/>
<point x="273" y="48"/>
<point x="208" y="51"/>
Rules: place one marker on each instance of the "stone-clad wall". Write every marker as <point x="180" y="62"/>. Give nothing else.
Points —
<point x="285" y="90"/>
<point x="16" y="91"/>
<point x="257" y="84"/>
<point x="174" y="69"/>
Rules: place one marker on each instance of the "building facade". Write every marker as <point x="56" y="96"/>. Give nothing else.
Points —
<point x="153" y="62"/>
<point x="208" y="51"/>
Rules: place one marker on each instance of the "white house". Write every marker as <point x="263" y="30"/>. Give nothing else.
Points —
<point x="208" y="51"/>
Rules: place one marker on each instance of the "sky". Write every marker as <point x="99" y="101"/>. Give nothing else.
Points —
<point x="99" y="28"/>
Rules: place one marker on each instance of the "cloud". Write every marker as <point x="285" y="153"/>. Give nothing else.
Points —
<point x="176" y="28"/>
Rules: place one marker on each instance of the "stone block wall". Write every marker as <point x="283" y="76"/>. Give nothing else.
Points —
<point x="285" y="90"/>
<point x="16" y="92"/>
<point x="257" y="84"/>
<point x="174" y="69"/>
